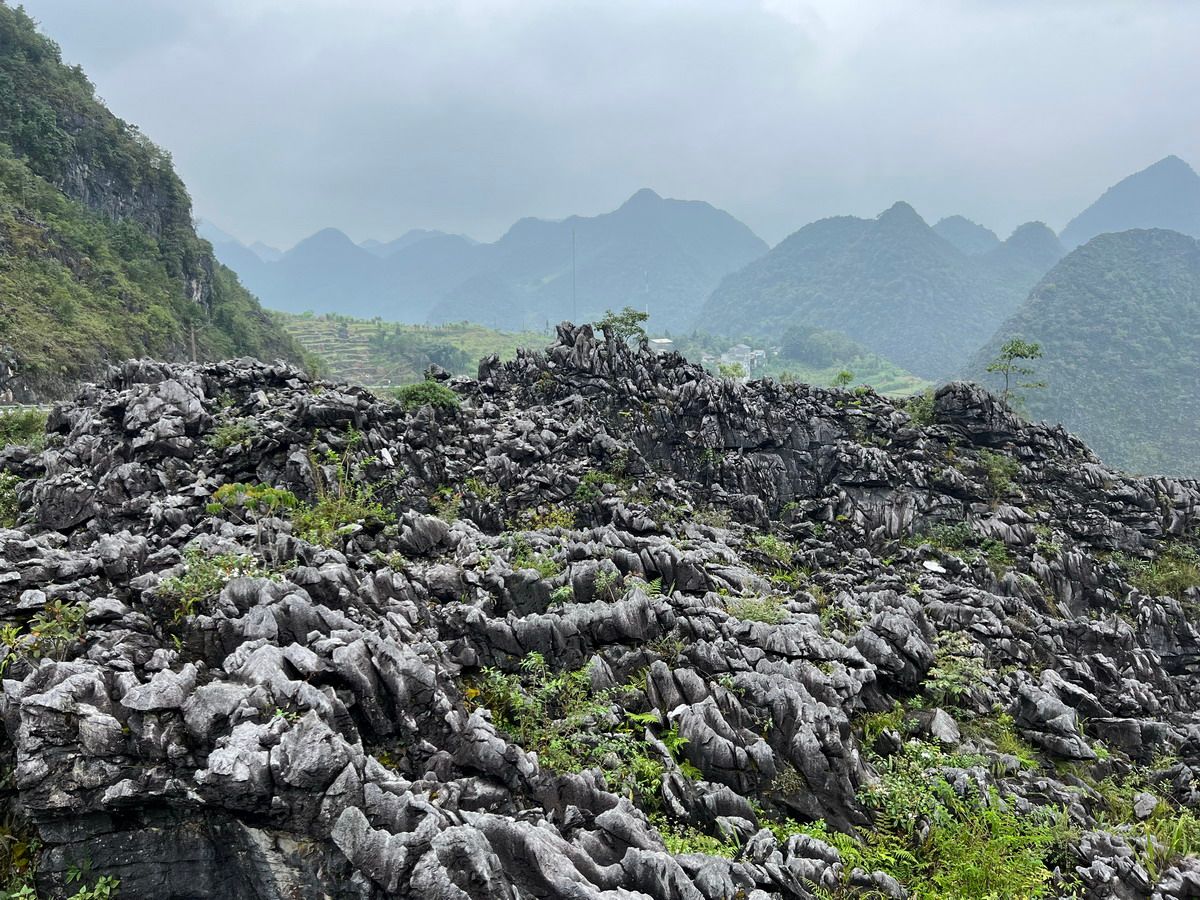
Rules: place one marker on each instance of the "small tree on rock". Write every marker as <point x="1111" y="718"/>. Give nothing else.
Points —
<point x="623" y="325"/>
<point x="1009" y="364"/>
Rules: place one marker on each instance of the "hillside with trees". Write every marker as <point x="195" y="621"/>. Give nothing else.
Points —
<point x="99" y="260"/>
<point x="891" y="283"/>
<point x="1118" y="324"/>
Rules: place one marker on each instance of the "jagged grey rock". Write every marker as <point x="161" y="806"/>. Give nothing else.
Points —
<point x="313" y="726"/>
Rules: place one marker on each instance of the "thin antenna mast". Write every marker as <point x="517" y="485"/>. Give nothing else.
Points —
<point x="574" y="302"/>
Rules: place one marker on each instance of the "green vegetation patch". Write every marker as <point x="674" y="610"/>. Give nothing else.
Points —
<point x="572" y="727"/>
<point x="51" y="634"/>
<point x="9" y="508"/>
<point x="25" y="427"/>
<point x="941" y="845"/>
<point x="202" y="579"/>
<point x="1172" y="573"/>
<point x="427" y="393"/>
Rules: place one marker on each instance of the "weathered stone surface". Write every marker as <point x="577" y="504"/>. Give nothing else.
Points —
<point x="317" y="725"/>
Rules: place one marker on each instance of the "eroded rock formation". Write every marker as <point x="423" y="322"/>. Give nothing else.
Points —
<point x="716" y="592"/>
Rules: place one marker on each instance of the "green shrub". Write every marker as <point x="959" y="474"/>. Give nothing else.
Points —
<point x="340" y="505"/>
<point x="681" y="839"/>
<point x="548" y="520"/>
<point x="9" y="508"/>
<point x="940" y="845"/>
<point x="52" y="634"/>
<point x="920" y="408"/>
<point x="23" y="426"/>
<point x="446" y="503"/>
<point x="1045" y="544"/>
<point x="103" y="888"/>
<point x="249" y="504"/>
<point x="957" y="668"/>
<point x="1175" y="570"/>
<point x="623" y="325"/>
<point x="962" y="541"/>
<point x="525" y="558"/>
<point x="999" y="471"/>
<point x="608" y="584"/>
<point x="573" y="728"/>
<point x="651" y="588"/>
<point x="1170" y="835"/>
<point x="427" y="393"/>
<point x="770" y="609"/>
<point x="591" y="484"/>
<point x="945" y="536"/>
<point x="897" y="719"/>
<point x="232" y="434"/>
<point x="332" y="515"/>
<point x="1000" y="729"/>
<point x="202" y="579"/>
<point x="779" y="551"/>
<point x="481" y="489"/>
<point x="996" y="554"/>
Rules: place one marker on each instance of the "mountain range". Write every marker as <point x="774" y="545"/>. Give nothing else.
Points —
<point x="892" y="283"/>
<point x="657" y="254"/>
<point x="99" y="260"/>
<point x="922" y="296"/>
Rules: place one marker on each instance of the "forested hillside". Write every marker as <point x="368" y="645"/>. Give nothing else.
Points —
<point x="891" y="283"/>
<point x="99" y="260"/>
<point x="1118" y="321"/>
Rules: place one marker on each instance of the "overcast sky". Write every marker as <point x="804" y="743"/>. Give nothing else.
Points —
<point x="376" y="116"/>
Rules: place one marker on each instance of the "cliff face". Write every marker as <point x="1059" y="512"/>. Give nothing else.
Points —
<point x="98" y="256"/>
<point x="609" y="628"/>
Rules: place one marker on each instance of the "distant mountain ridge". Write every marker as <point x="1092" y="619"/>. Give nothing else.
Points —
<point x="891" y="283"/>
<point x="384" y="249"/>
<point x="969" y="237"/>
<point x="652" y="253"/>
<point x="1164" y="195"/>
<point x="1118" y="321"/>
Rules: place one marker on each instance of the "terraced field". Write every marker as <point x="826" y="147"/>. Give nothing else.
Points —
<point x="385" y="354"/>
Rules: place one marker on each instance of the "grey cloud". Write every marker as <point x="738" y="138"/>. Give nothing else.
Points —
<point x="285" y="116"/>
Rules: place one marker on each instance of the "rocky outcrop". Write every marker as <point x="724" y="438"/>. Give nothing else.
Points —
<point x="606" y="601"/>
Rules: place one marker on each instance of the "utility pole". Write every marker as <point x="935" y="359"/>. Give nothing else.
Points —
<point x="574" y="302"/>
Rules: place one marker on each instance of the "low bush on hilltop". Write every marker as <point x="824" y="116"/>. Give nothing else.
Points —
<point x="427" y="393"/>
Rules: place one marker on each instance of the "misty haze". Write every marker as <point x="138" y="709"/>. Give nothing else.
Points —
<point x="734" y="450"/>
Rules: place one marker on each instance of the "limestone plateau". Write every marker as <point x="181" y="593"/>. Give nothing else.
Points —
<point x="612" y="628"/>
